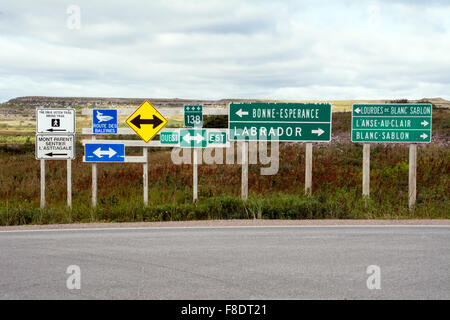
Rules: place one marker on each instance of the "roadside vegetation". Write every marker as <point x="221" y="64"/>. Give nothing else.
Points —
<point x="337" y="179"/>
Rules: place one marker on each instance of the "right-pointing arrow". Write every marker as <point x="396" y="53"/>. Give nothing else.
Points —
<point x="318" y="131"/>
<point x="424" y="123"/>
<point x="424" y="136"/>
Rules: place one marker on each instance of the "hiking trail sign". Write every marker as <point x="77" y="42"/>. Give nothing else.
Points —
<point x="262" y="121"/>
<point x="146" y="121"/>
<point x="193" y="116"/>
<point x="55" y="121"/>
<point x="391" y="123"/>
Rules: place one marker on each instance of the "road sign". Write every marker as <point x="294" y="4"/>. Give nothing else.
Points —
<point x="146" y="121"/>
<point x="55" y="147"/>
<point x="193" y="116"/>
<point x="55" y="121"/>
<point x="170" y="138"/>
<point x="279" y="121"/>
<point x="193" y="138"/>
<point x="104" y="121"/>
<point x="104" y="152"/>
<point x="405" y="123"/>
<point x="217" y="137"/>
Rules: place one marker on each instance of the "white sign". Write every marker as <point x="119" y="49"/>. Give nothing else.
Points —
<point x="55" y="121"/>
<point x="49" y="146"/>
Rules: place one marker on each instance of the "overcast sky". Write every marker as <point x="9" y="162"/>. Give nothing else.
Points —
<point x="226" y="49"/>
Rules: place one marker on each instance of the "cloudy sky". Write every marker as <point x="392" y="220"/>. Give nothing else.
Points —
<point x="216" y="49"/>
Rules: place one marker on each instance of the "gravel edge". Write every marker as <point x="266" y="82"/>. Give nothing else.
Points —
<point x="223" y="223"/>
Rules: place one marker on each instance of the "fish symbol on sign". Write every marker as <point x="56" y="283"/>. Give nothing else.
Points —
<point x="102" y="118"/>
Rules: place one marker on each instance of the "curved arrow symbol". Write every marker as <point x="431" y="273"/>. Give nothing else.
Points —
<point x="137" y="121"/>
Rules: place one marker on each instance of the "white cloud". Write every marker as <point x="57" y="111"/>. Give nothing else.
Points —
<point x="222" y="49"/>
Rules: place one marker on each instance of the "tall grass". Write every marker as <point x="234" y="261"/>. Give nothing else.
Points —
<point x="337" y="180"/>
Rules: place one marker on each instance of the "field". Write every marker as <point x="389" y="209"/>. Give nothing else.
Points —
<point x="337" y="175"/>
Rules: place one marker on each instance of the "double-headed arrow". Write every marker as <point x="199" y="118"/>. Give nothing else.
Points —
<point x="99" y="153"/>
<point x="137" y="121"/>
<point x="198" y="138"/>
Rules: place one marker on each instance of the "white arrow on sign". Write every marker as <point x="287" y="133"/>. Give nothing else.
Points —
<point x="198" y="138"/>
<point x="424" y="123"/>
<point x="99" y="153"/>
<point x="424" y="136"/>
<point x="241" y="113"/>
<point x="318" y="131"/>
<point x="357" y="110"/>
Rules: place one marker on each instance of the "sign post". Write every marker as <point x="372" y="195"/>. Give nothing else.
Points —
<point x="55" y="140"/>
<point x="392" y="123"/>
<point x="412" y="181"/>
<point x="289" y="122"/>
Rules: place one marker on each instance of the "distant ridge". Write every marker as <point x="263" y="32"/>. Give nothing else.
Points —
<point x="31" y="102"/>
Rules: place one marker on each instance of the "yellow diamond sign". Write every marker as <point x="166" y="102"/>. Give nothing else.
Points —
<point x="146" y="121"/>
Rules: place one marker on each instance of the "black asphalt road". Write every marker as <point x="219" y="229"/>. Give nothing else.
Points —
<point x="228" y="263"/>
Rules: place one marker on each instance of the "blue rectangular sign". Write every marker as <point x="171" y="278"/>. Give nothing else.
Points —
<point x="101" y="152"/>
<point x="104" y="121"/>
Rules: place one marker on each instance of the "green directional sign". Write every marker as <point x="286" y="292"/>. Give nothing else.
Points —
<point x="193" y="138"/>
<point x="193" y="116"/>
<point x="217" y="137"/>
<point x="171" y="138"/>
<point x="391" y="123"/>
<point x="279" y="121"/>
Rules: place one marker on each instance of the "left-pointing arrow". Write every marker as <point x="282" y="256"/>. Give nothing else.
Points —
<point x="51" y="154"/>
<point x="56" y="130"/>
<point x="137" y="121"/>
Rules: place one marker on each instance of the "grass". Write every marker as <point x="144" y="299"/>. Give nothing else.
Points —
<point x="336" y="188"/>
<point x="337" y="179"/>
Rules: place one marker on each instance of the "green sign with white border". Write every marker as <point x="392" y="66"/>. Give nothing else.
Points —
<point x="391" y="123"/>
<point x="262" y="121"/>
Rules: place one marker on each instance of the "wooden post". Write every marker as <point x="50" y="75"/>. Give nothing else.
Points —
<point x="412" y="176"/>
<point x="94" y="182"/>
<point x="42" y="183"/>
<point x="145" y="175"/>
<point x="69" y="183"/>
<point x="308" y="169"/>
<point x="194" y="176"/>
<point x="244" y="190"/>
<point x="366" y="171"/>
